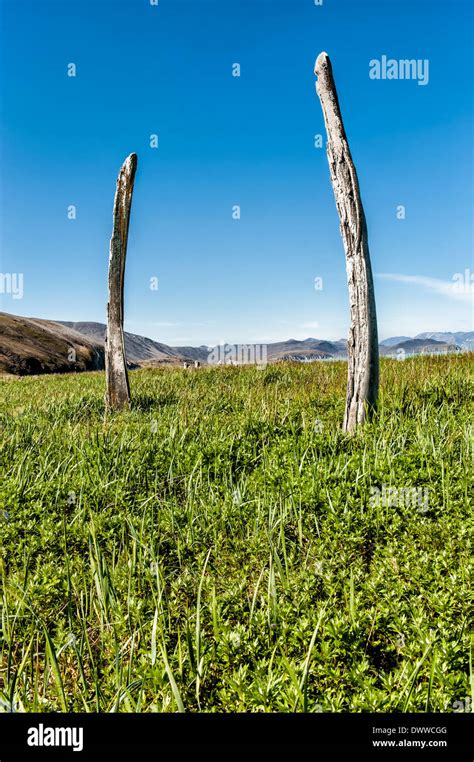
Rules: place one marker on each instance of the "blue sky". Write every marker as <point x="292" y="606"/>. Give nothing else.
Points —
<point x="225" y="141"/>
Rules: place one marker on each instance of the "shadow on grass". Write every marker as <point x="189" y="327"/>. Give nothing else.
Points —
<point x="146" y="402"/>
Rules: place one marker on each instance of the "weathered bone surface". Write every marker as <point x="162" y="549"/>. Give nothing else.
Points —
<point x="118" y="389"/>
<point x="363" y="362"/>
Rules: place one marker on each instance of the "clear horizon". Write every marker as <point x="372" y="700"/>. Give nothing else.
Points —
<point x="240" y="343"/>
<point x="227" y="141"/>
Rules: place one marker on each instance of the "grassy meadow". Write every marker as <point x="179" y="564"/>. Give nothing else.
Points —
<point x="220" y="546"/>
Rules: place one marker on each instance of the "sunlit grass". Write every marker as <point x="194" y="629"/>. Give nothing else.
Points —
<point x="216" y="547"/>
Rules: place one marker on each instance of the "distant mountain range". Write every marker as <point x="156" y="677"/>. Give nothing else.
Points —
<point x="32" y="346"/>
<point x="459" y="338"/>
<point x="139" y="349"/>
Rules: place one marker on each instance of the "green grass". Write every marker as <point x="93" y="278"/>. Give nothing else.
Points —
<point x="216" y="548"/>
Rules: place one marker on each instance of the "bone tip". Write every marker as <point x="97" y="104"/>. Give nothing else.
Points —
<point x="321" y="61"/>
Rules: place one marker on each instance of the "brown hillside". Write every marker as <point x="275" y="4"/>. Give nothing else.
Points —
<point x="30" y="346"/>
